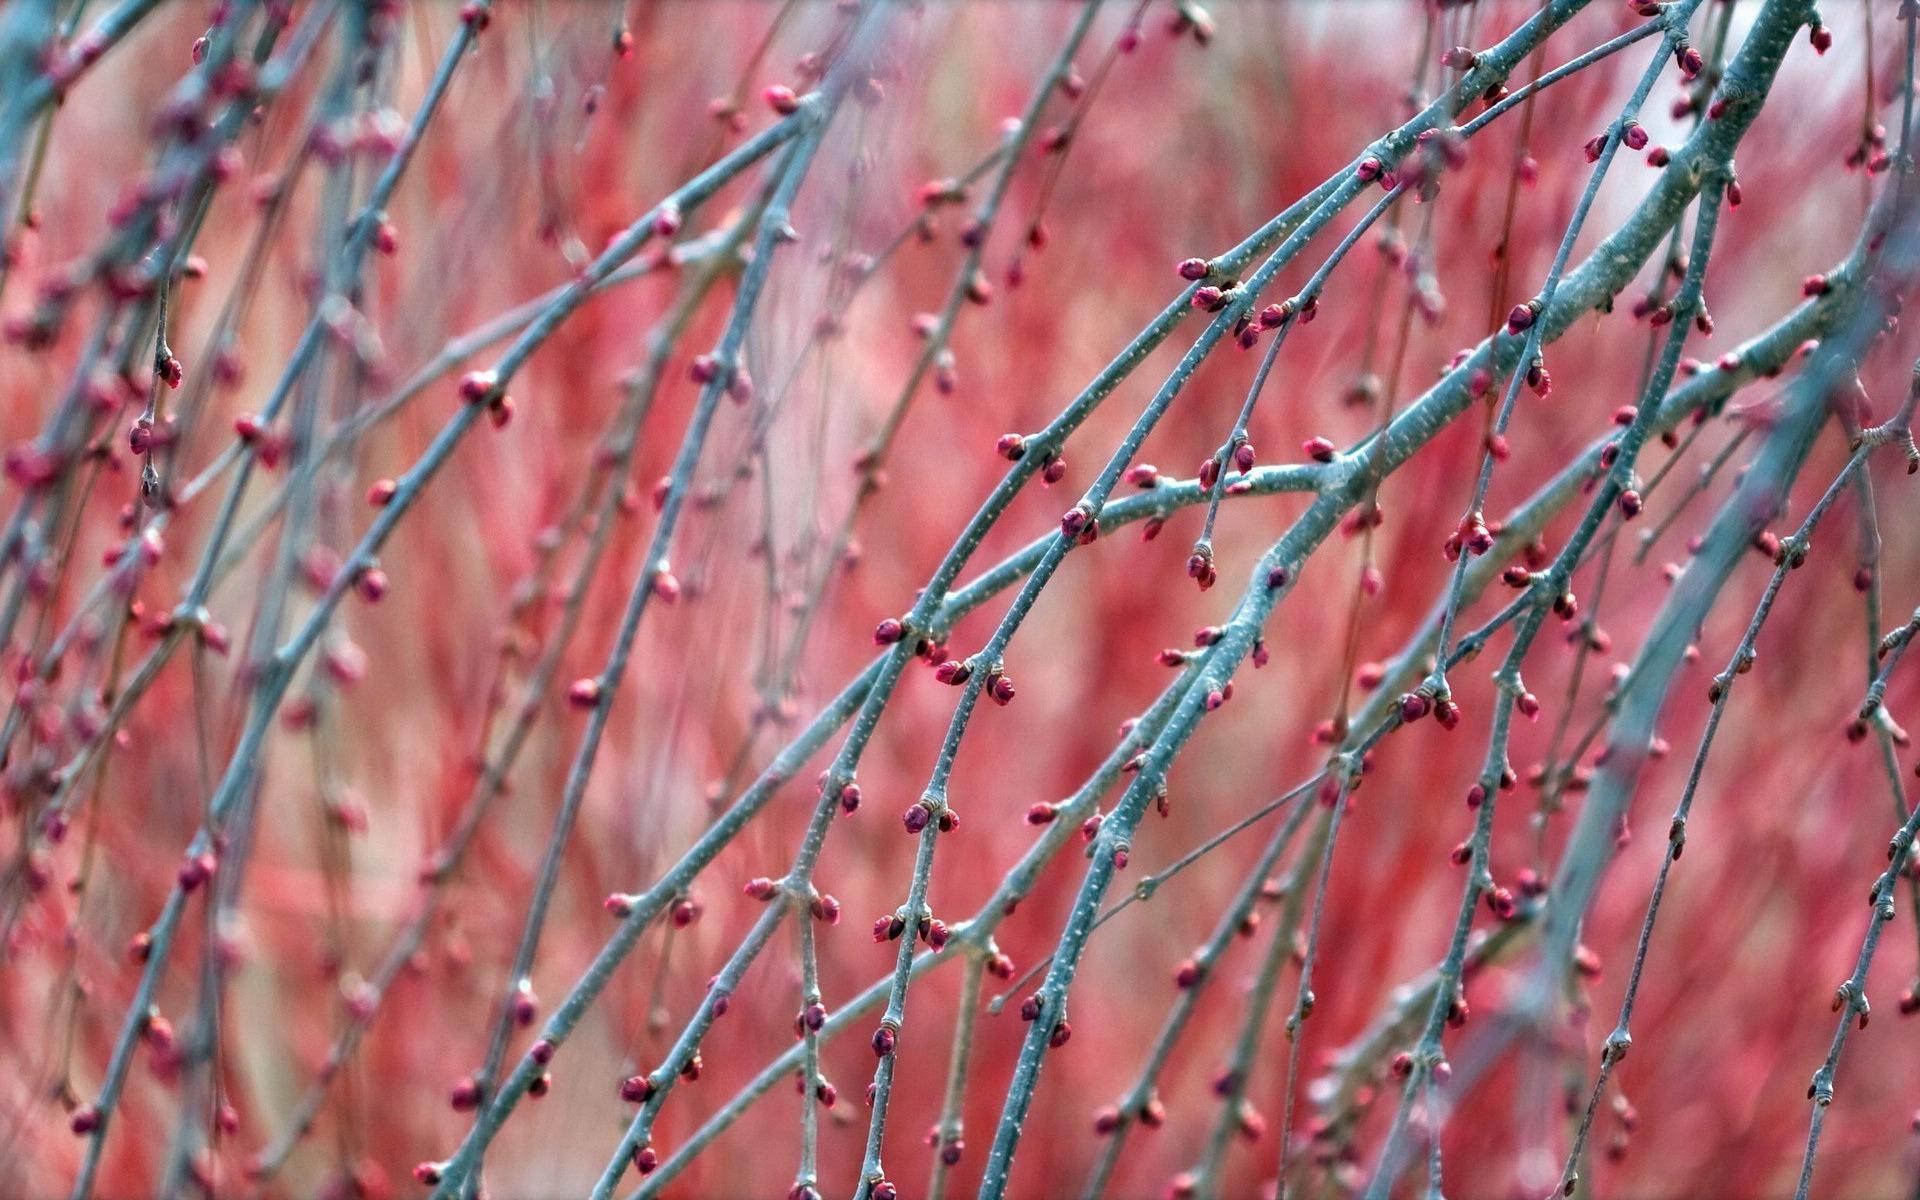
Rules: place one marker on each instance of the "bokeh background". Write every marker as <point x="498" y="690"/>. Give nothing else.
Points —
<point x="549" y="144"/>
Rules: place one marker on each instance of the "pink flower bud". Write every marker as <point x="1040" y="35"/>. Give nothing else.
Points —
<point x="477" y="387"/>
<point x="465" y="1095"/>
<point x="372" y="585"/>
<point x="197" y="870"/>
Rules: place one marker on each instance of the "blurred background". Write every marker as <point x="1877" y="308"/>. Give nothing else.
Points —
<point x="550" y="142"/>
